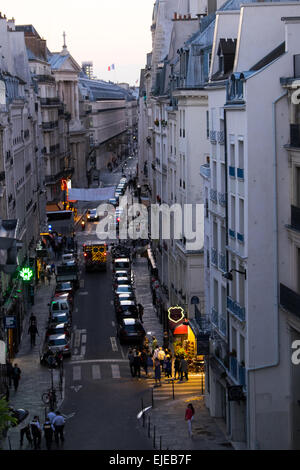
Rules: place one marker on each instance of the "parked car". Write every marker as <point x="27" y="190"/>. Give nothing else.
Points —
<point x="92" y="215"/>
<point x="19" y="413"/>
<point x="58" y="329"/>
<point x="68" y="259"/>
<point x="113" y="201"/>
<point x="127" y="308"/>
<point x="62" y="287"/>
<point x="60" y="305"/>
<point x="121" y="264"/>
<point x="60" y="317"/>
<point x="124" y="289"/>
<point x="65" y="296"/>
<point x="130" y="330"/>
<point x="57" y="343"/>
<point x="121" y="281"/>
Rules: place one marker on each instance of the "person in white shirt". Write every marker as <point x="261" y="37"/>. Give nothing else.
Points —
<point x="161" y="356"/>
<point x="51" y="415"/>
<point x="59" y="424"/>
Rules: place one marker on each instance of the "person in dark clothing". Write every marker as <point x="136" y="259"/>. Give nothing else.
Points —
<point x="144" y="361"/>
<point x="32" y="320"/>
<point x="16" y="375"/>
<point x="33" y="331"/>
<point x="48" y="433"/>
<point x="9" y="372"/>
<point x="131" y="361"/>
<point x="166" y="340"/>
<point x="141" y="312"/>
<point x="36" y="432"/>
<point x="25" y="431"/>
<point x="137" y="364"/>
<point x="177" y="367"/>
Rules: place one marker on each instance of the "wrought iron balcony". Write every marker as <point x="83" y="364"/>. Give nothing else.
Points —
<point x="214" y="317"/>
<point x="221" y="137"/>
<point x="222" y="262"/>
<point x="236" y="309"/>
<point x="205" y="170"/>
<point x="213" y="196"/>
<point x="54" y="101"/>
<point x="290" y="300"/>
<point x="49" y="125"/>
<point x="214" y="257"/>
<point x="223" y="325"/>
<point x="213" y="137"/>
<point x="295" y="217"/>
<point x="222" y="199"/>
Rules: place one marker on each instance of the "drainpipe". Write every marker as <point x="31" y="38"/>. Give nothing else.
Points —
<point x="275" y="241"/>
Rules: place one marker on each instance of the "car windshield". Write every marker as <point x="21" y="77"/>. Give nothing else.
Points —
<point x="131" y="328"/>
<point x="129" y="310"/>
<point x="57" y="306"/>
<point x="64" y="286"/>
<point x="122" y="264"/>
<point x="60" y="319"/>
<point x="125" y="288"/>
<point x="57" y="342"/>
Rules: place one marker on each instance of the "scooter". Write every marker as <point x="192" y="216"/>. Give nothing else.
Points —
<point x="83" y="225"/>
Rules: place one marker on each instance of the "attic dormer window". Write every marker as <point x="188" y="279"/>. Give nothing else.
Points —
<point x="221" y="64"/>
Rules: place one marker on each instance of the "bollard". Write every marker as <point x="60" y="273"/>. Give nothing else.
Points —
<point x="154" y="437"/>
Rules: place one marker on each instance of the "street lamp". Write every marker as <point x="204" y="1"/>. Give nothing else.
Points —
<point x="229" y="276"/>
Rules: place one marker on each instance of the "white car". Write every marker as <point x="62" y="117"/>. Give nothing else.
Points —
<point x="68" y="259"/>
<point x="59" y="343"/>
<point x="92" y="214"/>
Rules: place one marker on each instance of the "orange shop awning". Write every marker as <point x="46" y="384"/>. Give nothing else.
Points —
<point x="181" y="330"/>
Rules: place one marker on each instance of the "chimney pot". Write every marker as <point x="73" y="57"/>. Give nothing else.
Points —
<point x="175" y="15"/>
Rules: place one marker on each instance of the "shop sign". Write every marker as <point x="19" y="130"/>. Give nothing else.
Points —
<point x="176" y="316"/>
<point x="235" y="393"/>
<point x="26" y="274"/>
<point x="10" y="321"/>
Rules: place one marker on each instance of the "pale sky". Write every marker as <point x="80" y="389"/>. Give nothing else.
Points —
<point x="104" y="31"/>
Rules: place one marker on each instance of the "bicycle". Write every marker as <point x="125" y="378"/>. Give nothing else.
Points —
<point x="49" y="398"/>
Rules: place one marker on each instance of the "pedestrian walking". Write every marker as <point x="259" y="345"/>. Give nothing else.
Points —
<point x="16" y="376"/>
<point x="154" y="343"/>
<point x="137" y="364"/>
<point x="157" y="372"/>
<point x="36" y="432"/>
<point x="144" y="361"/>
<point x="52" y="268"/>
<point x="189" y="416"/>
<point x="32" y="331"/>
<point x="9" y="372"/>
<point x="32" y="319"/>
<point x="183" y="368"/>
<point x="42" y="276"/>
<point x="49" y="275"/>
<point x="168" y="367"/>
<point x="131" y="361"/>
<point x="141" y="312"/>
<point x="155" y="353"/>
<point x="25" y="431"/>
<point x="48" y="433"/>
<point x="177" y="367"/>
<point x="166" y="340"/>
<point x="161" y="356"/>
<point x="59" y="424"/>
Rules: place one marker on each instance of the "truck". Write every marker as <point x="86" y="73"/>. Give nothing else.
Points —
<point x="95" y="256"/>
<point x="67" y="274"/>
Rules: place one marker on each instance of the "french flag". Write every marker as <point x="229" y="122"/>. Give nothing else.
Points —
<point x="111" y="67"/>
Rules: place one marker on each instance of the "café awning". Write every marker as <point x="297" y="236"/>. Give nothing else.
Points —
<point x="181" y="330"/>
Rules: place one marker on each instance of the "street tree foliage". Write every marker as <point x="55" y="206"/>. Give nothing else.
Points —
<point x="5" y="416"/>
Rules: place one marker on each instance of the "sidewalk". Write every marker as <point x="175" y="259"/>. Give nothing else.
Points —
<point x="35" y="379"/>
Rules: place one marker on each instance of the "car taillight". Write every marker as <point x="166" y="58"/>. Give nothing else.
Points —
<point x="85" y="254"/>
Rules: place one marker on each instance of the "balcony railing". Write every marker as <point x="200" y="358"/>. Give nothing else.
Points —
<point x="223" y="325"/>
<point x="295" y="217"/>
<point x="213" y="196"/>
<point x="222" y="262"/>
<point x="49" y="125"/>
<point x="205" y="171"/>
<point x="214" y="257"/>
<point x="213" y="136"/>
<point x="221" y="137"/>
<point x="236" y="309"/>
<point x="233" y="366"/>
<point x="222" y="199"/>
<point x="290" y="300"/>
<point x="214" y="317"/>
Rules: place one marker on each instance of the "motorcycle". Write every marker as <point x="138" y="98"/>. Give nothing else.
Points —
<point x="82" y="225"/>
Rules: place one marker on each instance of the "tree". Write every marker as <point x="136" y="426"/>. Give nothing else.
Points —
<point x="5" y="416"/>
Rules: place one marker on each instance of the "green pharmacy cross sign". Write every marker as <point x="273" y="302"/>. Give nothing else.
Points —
<point x="26" y="274"/>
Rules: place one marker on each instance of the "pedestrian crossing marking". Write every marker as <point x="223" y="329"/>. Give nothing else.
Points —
<point x="76" y="373"/>
<point x="96" y="372"/>
<point x="114" y="344"/>
<point x="115" y="370"/>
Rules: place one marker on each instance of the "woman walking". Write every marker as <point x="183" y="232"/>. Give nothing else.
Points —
<point x="189" y="416"/>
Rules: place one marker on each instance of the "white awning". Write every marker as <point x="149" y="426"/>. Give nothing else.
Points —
<point x="95" y="194"/>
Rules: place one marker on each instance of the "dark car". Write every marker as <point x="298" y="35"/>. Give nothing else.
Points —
<point x="122" y="264"/>
<point x="127" y="308"/>
<point x="130" y="330"/>
<point x="122" y="281"/>
<point x="19" y="414"/>
<point x="124" y="289"/>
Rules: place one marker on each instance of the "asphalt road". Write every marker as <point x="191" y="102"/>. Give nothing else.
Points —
<point x="101" y="398"/>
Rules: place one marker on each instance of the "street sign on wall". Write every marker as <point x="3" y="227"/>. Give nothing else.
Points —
<point x="10" y="321"/>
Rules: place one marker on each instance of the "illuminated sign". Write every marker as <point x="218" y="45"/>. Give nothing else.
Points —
<point x="176" y="314"/>
<point x="26" y="274"/>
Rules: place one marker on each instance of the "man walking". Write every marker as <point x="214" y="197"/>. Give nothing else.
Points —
<point x="33" y="331"/>
<point x="137" y="364"/>
<point x="48" y="433"/>
<point x="141" y="312"/>
<point x="131" y="360"/>
<point x="184" y="368"/>
<point x="16" y="375"/>
<point x="36" y="432"/>
<point x="161" y="357"/>
<point x="9" y="372"/>
<point x="59" y="424"/>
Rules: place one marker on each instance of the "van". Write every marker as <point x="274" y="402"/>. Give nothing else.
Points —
<point x="60" y="306"/>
